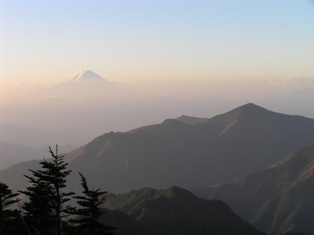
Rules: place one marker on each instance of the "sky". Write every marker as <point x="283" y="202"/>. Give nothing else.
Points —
<point x="156" y="41"/>
<point x="164" y="58"/>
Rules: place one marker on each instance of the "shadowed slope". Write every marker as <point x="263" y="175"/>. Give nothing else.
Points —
<point x="278" y="199"/>
<point x="176" y="211"/>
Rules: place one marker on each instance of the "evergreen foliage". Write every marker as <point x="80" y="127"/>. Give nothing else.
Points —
<point x="38" y="211"/>
<point x="88" y="214"/>
<point x="47" y="201"/>
<point x="7" y="200"/>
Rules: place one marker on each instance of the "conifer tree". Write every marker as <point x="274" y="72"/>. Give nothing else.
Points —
<point x="89" y="211"/>
<point x="7" y="200"/>
<point x="47" y="201"/>
<point x="38" y="210"/>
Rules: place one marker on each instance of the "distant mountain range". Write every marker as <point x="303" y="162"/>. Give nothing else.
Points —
<point x="13" y="153"/>
<point x="221" y="149"/>
<point x="277" y="199"/>
<point x="176" y="152"/>
<point x="195" y="152"/>
<point x="172" y="211"/>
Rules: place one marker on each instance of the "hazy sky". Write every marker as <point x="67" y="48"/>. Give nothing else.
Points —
<point x="146" y="40"/>
<point x="166" y="58"/>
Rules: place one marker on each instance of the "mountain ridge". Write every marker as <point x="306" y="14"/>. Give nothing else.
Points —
<point x="277" y="199"/>
<point x="189" y="156"/>
<point x="177" y="211"/>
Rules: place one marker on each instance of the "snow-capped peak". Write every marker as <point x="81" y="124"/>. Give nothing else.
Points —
<point x="87" y="76"/>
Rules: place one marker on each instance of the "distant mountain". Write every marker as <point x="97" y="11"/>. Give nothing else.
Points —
<point x="176" y="211"/>
<point x="223" y="148"/>
<point x="86" y="79"/>
<point x="278" y="199"/>
<point x="87" y="76"/>
<point x="86" y="85"/>
<point x="62" y="128"/>
<point x="15" y="153"/>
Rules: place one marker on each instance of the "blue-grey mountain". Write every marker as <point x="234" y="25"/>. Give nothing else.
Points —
<point x="176" y="152"/>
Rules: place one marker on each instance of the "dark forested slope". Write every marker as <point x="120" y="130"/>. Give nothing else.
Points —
<point x="278" y="199"/>
<point x="176" y="211"/>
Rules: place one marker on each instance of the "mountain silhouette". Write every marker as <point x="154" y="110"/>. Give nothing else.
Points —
<point x="177" y="211"/>
<point x="276" y="200"/>
<point x="221" y="149"/>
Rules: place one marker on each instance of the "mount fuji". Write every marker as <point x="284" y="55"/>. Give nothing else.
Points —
<point x="87" y="76"/>
<point x="88" y="85"/>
